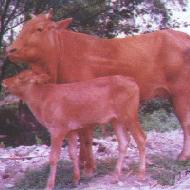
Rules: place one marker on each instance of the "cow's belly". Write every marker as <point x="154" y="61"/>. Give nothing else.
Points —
<point x="152" y="90"/>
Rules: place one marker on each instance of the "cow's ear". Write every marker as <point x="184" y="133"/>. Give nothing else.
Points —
<point x="32" y="15"/>
<point x="64" y="23"/>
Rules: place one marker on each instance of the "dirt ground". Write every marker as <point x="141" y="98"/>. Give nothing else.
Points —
<point x="26" y="167"/>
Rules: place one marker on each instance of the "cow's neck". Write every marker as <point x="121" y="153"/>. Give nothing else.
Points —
<point x="50" y="60"/>
<point x="49" y="65"/>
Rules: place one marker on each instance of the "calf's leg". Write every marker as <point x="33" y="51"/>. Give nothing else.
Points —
<point x="123" y="140"/>
<point x="72" y="148"/>
<point x="56" y="143"/>
<point x="140" y="139"/>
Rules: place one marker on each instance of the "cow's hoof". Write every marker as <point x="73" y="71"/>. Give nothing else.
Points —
<point x="89" y="172"/>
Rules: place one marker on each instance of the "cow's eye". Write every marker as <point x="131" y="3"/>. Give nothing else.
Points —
<point x="39" y="29"/>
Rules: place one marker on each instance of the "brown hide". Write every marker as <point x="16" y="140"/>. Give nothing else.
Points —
<point x="155" y="60"/>
<point x="62" y="108"/>
<point x="158" y="61"/>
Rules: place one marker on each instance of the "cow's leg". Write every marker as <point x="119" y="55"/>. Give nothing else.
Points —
<point x="56" y="144"/>
<point x="140" y="138"/>
<point x="72" y="148"/>
<point x="182" y="109"/>
<point x="86" y="154"/>
<point x="82" y="147"/>
<point x="123" y="140"/>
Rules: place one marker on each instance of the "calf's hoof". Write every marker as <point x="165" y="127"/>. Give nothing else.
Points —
<point x="183" y="157"/>
<point x="49" y="188"/>
<point x="141" y="175"/>
<point x="50" y="185"/>
<point x="75" y="183"/>
<point x="115" y="178"/>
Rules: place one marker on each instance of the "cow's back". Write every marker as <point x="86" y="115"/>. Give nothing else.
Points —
<point x="155" y="60"/>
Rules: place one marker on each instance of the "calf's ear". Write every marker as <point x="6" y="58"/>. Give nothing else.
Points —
<point x="49" y="15"/>
<point x="42" y="79"/>
<point x="64" y="23"/>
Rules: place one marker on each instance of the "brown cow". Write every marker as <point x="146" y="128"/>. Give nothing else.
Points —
<point x="158" y="61"/>
<point x="62" y="108"/>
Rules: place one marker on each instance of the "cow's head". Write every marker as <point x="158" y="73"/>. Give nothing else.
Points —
<point x="34" y="39"/>
<point x="19" y="82"/>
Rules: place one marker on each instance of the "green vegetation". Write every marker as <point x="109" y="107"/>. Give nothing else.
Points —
<point x="103" y="130"/>
<point x="159" y="8"/>
<point x="163" y="169"/>
<point x="18" y="127"/>
<point x="167" y="171"/>
<point x="159" y="120"/>
<point x="158" y="115"/>
<point x="36" y="179"/>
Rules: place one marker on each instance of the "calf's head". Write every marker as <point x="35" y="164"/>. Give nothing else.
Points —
<point x="18" y="83"/>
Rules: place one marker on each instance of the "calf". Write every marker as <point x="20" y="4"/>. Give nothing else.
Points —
<point x="65" y="108"/>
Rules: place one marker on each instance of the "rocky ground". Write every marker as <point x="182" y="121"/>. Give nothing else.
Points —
<point x="25" y="167"/>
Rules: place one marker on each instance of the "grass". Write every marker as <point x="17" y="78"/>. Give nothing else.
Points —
<point x="103" y="130"/>
<point x="160" y="121"/>
<point x="162" y="169"/>
<point x="167" y="171"/>
<point x="36" y="179"/>
<point x="158" y="115"/>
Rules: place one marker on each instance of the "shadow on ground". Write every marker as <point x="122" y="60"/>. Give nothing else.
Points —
<point x="36" y="179"/>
